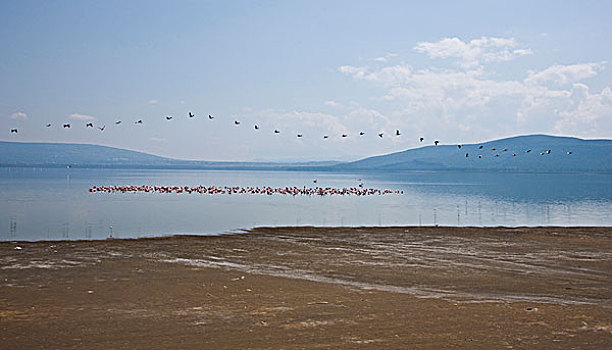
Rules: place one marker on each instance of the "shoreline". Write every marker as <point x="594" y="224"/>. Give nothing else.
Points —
<point x="312" y="287"/>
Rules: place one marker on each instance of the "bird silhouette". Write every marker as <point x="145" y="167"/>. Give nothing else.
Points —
<point x="467" y="155"/>
<point x="479" y="156"/>
<point x="380" y="135"/>
<point x="569" y="152"/>
<point x="480" y="147"/>
<point x="139" y="121"/>
<point x="276" y="131"/>
<point x="236" y="122"/>
<point x="102" y="127"/>
<point x="361" y="133"/>
<point x="344" y="135"/>
<point x="325" y="136"/>
<point x="256" y="127"/>
<point x="459" y="146"/>
<point x="548" y="151"/>
<point x="505" y="150"/>
<point x="397" y="133"/>
<point x="48" y="125"/>
<point x="436" y="142"/>
<point x="14" y="131"/>
<point x="191" y="115"/>
<point x="527" y="151"/>
<point x="210" y="117"/>
<point x="168" y="117"/>
<point x="89" y="125"/>
<point x="67" y="126"/>
<point x="299" y="135"/>
<point x="118" y="122"/>
<point x="421" y="139"/>
<point x="514" y="154"/>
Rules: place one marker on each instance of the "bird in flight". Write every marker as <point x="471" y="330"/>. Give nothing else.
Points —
<point x="102" y="127"/>
<point x="459" y="146"/>
<point x="67" y="126"/>
<point x="118" y="122"/>
<point x="361" y="133"/>
<point x="344" y="135"/>
<point x="48" y="125"/>
<point x="299" y="135"/>
<point x="236" y="122"/>
<point x="421" y="139"/>
<point x="436" y="142"/>
<point x="14" y="131"/>
<point x="89" y="125"/>
<point x="380" y="135"/>
<point x="325" y="136"/>
<point x="210" y="117"/>
<point x="168" y="117"/>
<point x="276" y="132"/>
<point x="139" y="121"/>
<point x="191" y="115"/>
<point x="256" y="127"/>
<point x="397" y="133"/>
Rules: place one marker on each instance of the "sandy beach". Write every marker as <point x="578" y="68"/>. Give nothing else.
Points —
<point x="313" y="288"/>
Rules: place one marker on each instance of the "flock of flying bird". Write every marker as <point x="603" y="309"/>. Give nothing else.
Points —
<point x="299" y="135"/>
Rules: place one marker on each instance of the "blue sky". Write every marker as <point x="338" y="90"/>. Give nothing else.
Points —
<point x="455" y="72"/>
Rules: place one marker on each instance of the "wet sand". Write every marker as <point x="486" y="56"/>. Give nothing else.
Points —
<point x="313" y="288"/>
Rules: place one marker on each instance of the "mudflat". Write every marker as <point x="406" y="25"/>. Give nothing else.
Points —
<point x="313" y="288"/>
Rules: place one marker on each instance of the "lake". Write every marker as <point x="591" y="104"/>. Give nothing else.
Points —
<point x="55" y="204"/>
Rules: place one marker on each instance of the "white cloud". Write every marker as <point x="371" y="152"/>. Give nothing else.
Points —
<point x="334" y="104"/>
<point x="19" y="116"/>
<point x="77" y="116"/>
<point x="564" y="74"/>
<point x="153" y="102"/>
<point x="472" y="103"/>
<point x="475" y="52"/>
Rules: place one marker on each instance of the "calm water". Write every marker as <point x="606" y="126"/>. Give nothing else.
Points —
<point x="55" y="204"/>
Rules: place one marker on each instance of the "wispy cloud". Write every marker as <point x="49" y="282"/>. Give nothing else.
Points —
<point x="474" y="52"/>
<point x="564" y="74"/>
<point x="153" y="102"/>
<point x="77" y="116"/>
<point x="472" y="101"/>
<point x="19" y="116"/>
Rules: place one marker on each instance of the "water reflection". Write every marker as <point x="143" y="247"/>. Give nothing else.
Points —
<point x="55" y="203"/>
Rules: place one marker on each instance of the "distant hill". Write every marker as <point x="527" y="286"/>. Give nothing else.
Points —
<point x="84" y="155"/>
<point x="586" y="155"/>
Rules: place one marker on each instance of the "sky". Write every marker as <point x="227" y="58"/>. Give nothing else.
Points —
<point x="457" y="72"/>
